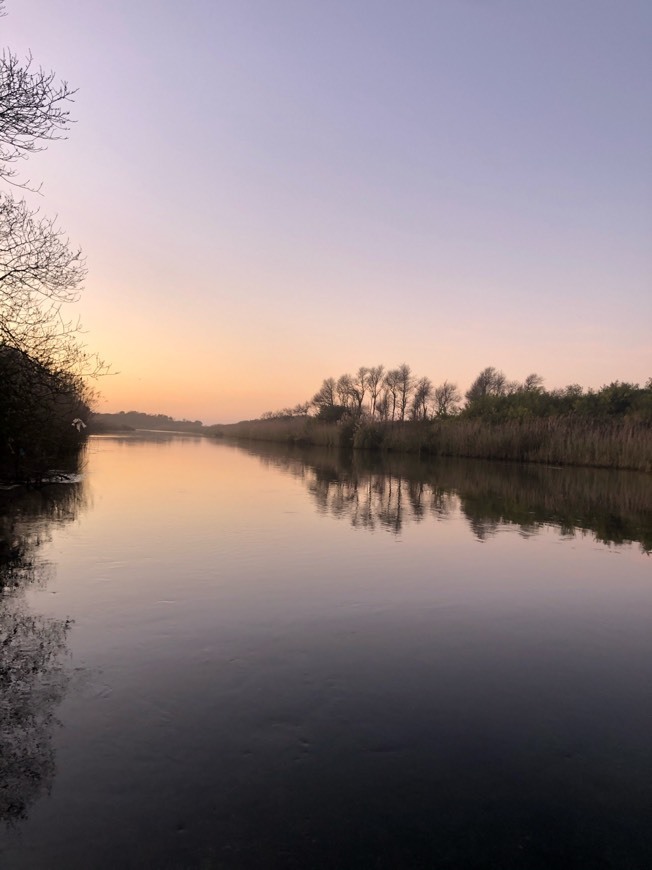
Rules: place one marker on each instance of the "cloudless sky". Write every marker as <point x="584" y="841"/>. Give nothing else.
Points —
<point x="271" y="193"/>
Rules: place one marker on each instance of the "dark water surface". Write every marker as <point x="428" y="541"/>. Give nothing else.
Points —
<point x="223" y="657"/>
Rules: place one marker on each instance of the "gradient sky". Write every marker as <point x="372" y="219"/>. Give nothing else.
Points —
<point x="271" y="193"/>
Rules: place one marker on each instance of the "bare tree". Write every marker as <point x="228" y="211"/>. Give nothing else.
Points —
<point x="446" y="398"/>
<point x="404" y="388"/>
<point x="391" y="389"/>
<point x="39" y="274"/>
<point x="359" y="387"/>
<point x="42" y="357"/>
<point x="420" y="399"/>
<point x="299" y="410"/>
<point x="382" y="405"/>
<point x="345" y="390"/>
<point x="33" y="110"/>
<point x="374" y="382"/>
<point x="326" y="395"/>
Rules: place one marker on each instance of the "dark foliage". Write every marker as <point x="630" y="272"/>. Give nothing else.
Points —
<point x="616" y="400"/>
<point x="41" y="420"/>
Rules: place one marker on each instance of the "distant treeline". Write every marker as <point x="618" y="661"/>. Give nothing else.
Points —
<point x="128" y="420"/>
<point x="498" y="419"/>
<point x="397" y="395"/>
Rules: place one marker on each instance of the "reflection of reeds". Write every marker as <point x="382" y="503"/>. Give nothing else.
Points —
<point x="554" y="440"/>
<point x="374" y="490"/>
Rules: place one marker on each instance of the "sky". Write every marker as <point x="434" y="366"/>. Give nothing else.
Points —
<point x="272" y="193"/>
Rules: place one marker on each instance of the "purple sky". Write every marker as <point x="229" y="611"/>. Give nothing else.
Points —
<point x="270" y="193"/>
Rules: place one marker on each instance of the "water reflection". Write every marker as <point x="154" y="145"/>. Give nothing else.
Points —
<point x="373" y="491"/>
<point x="151" y="437"/>
<point x="33" y="678"/>
<point x="315" y="663"/>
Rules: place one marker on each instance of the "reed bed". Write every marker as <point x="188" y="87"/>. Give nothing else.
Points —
<point x="294" y="430"/>
<point x="617" y="443"/>
<point x="554" y="441"/>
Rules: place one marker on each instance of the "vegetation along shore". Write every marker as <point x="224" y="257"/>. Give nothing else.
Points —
<point x="45" y="396"/>
<point x="496" y="419"/>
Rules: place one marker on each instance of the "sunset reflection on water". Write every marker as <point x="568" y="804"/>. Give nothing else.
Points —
<point x="303" y="658"/>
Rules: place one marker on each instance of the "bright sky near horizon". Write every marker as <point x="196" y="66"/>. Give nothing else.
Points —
<point x="271" y="193"/>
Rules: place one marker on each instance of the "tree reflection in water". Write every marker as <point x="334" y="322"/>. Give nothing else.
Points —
<point x="33" y="676"/>
<point x="379" y="491"/>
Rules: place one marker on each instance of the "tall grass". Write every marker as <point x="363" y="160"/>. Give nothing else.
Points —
<point x="555" y="441"/>
<point x="291" y="430"/>
<point x="618" y="443"/>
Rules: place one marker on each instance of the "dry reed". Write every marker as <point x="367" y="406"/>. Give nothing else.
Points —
<point x="578" y="441"/>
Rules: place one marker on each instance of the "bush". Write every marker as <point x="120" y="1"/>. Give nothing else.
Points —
<point x="38" y="407"/>
<point x="369" y="436"/>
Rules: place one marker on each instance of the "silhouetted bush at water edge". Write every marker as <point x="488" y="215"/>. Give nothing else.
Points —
<point x="42" y="418"/>
<point x="605" y="443"/>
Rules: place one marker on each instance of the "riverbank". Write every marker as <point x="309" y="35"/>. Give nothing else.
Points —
<point x="622" y="444"/>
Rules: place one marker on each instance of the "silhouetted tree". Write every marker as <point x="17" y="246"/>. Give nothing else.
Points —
<point x="299" y="410"/>
<point x="533" y="383"/>
<point x="326" y="395"/>
<point x="490" y="382"/>
<point x="446" y="398"/>
<point x="39" y="274"/>
<point x="391" y="385"/>
<point x="34" y="110"/>
<point x="404" y="388"/>
<point x="359" y="387"/>
<point x="382" y="405"/>
<point x="374" y="382"/>
<point x="345" y="391"/>
<point x="420" y="399"/>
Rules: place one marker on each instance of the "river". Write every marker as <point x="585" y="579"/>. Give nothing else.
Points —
<point x="225" y="656"/>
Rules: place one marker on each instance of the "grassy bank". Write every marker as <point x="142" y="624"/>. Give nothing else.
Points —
<point x="615" y="443"/>
<point x="293" y="430"/>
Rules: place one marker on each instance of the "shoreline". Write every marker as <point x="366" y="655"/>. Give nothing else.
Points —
<point x="556" y="441"/>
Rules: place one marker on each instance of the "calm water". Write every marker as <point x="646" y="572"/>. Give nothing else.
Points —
<point x="228" y="657"/>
